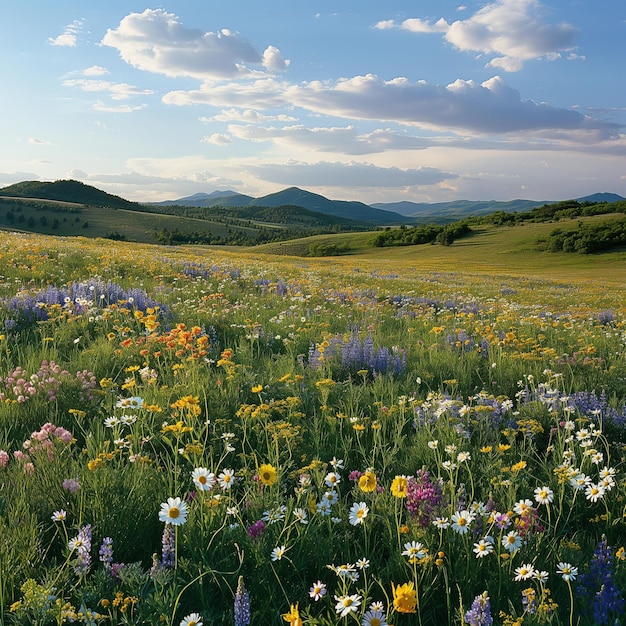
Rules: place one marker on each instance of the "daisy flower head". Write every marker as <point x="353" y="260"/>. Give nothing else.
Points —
<point x="414" y="551"/>
<point x="278" y="553"/>
<point x="301" y="515"/>
<point x="226" y="478"/>
<point x="330" y="497"/>
<point x="593" y="492"/>
<point x="193" y="619"/>
<point x="331" y="479"/>
<point x="567" y="570"/>
<point x="441" y="523"/>
<point x="267" y="474"/>
<point x="173" y="512"/>
<point x="524" y="572"/>
<point x="462" y="457"/>
<point x="461" y="521"/>
<point x="347" y="604"/>
<point x="483" y="547"/>
<point x="203" y="479"/>
<point x="336" y="463"/>
<point x="59" y="516"/>
<point x="433" y="444"/>
<point x="363" y="563"/>
<point x="544" y="495"/>
<point x="317" y="590"/>
<point x="512" y="541"/>
<point x="358" y="512"/>
<point x="523" y="507"/>
<point x="374" y="617"/>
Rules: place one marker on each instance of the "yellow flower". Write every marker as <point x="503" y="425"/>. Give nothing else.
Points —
<point x="293" y="617"/>
<point x="399" y="486"/>
<point x="267" y="474"/>
<point x="404" y="598"/>
<point x="257" y="388"/>
<point x="367" y="482"/>
<point x="486" y="449"/>
<point x="518" y="467"/>
<point x="621" y="554"/>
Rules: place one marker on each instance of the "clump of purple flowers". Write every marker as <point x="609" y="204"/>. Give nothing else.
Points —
<point x="106" y="552"/>
<point x="168" y="544"/>
<point x="480" y="612"/>
<point x="597" y="588"/>
<point x="242" y="604"/>
<point x="424" y="497"/>
<point x="256" y="529"/>
<point x="354" y="354"/>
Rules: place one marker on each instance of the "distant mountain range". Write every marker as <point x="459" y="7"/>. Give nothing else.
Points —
<point x="378" y="214"/>
<point x="293" y="196"/>
<point x="393" y="212"/>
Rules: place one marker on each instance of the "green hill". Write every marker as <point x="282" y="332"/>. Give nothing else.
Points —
<point x="68" y="191"/>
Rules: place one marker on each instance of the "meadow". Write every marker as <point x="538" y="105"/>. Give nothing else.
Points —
<point x="194" y="435"/>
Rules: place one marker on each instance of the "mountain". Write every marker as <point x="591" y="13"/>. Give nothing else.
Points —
<point x="596" y="198"/>
<point x="68" y="191"/>
<point x="293" y="197"/>
<point x="339" y="208"/>
<point x="216" y="198"/>
<point x="459" y="209"/>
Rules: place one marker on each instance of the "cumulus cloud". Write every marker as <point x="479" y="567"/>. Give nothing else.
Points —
<point x="69" y="37"/>
<point x="342" y="140"/>
<point x="218" y="139"/>
<point x="36" y="141"/>
<point x="490" y="107"/>
<point x="511" y="32"/>
<point x="347" y="174"/>
<point x="157" y="41"/>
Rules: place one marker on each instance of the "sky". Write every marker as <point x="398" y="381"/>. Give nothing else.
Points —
<point x="369" y="100"/>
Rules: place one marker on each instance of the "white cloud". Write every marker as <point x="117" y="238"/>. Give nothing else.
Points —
<point x="36" y="141"/>
<point x="352" y="174"/>
<point x="78" y="174"/>
<point x="247" y="115"/>
<point x="156" y="41"/>
<point x="121" y="108"/>
<point x="511" y="32"/>
<point x="95" y="70"/>
<point x="218" y="139"/>
<point x="69" y="37"/>
<point x="338" y="140"/>
<point x="416" y="25"/>
<point x="490" y="107"/>
<point x="385" y="25"/>
<point x="117" y="91"/>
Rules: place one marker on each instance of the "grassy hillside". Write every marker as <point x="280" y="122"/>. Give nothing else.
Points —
<point x="515" y="250"/>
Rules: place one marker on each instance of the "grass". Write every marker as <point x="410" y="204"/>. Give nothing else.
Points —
<point x="199" y="430"/>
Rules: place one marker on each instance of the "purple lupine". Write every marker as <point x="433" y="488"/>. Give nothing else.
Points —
<point x="106" y="552"/>
<point x="168" y="541"/>
<point x="596" y="586"/>
<point x="242" y="604"/>
<point x="480" y="612"/>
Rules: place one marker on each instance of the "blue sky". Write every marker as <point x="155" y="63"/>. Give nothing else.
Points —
<point x="365" y="100"/>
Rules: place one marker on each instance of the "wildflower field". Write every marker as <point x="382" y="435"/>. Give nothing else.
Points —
<point x="197" y="436"/>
